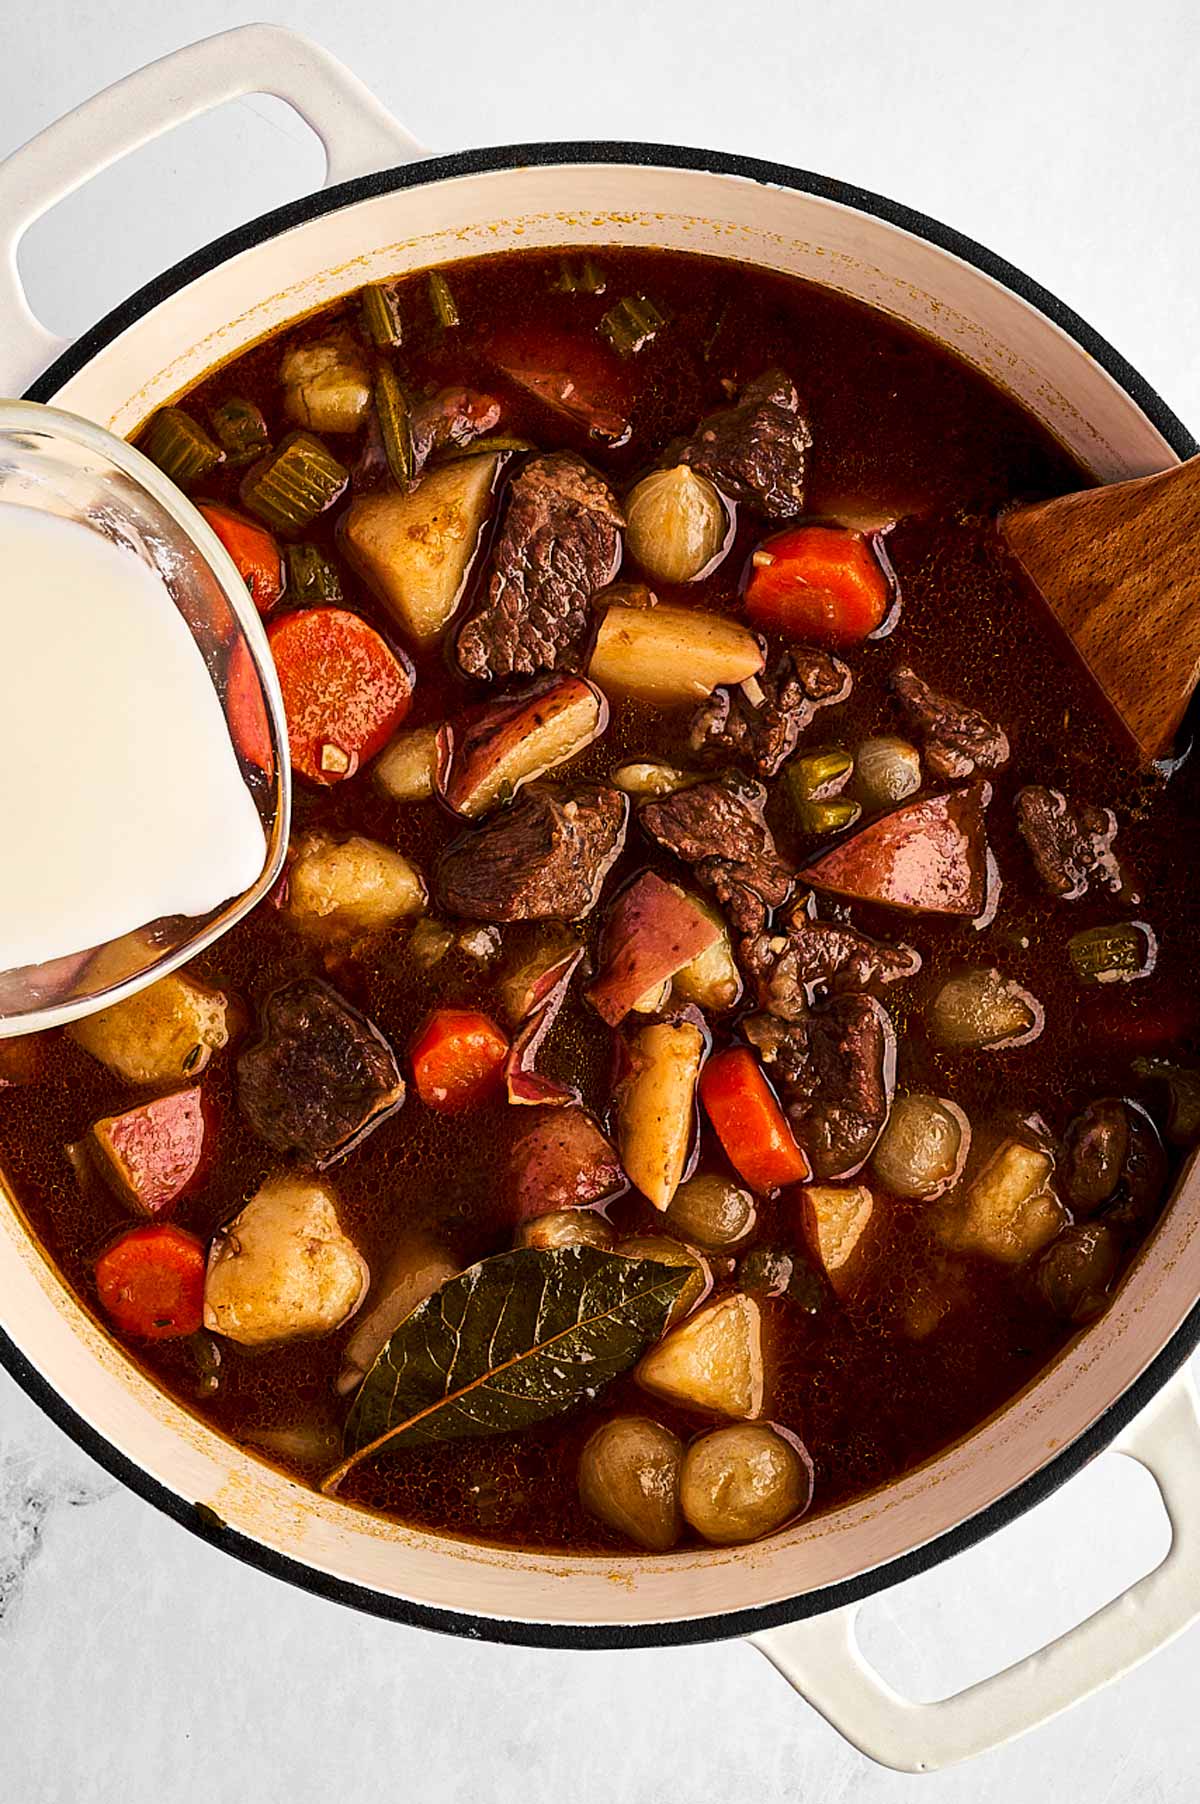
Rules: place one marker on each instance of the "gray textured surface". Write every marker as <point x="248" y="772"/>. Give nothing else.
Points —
<point x="137" y="1665"/>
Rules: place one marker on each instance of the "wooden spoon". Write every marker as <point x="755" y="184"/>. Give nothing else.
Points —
<point x="1119" y="568"/>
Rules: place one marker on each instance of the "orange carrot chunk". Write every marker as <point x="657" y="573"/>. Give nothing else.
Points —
<point x="252" y="549"/>
<point x="247" y="710"/>
<point x="344" y="691"/>
<point x="749" y="1122"/>
<point x="824" y="584"/>
<point x="157" y="1152"/>
<point x="458" y="1059"/>
<point x="151" y="1282"/>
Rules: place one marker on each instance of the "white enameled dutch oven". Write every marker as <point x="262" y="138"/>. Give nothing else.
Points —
<point x="387" y="208"/>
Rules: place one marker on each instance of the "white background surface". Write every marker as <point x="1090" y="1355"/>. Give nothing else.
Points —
<point x="136" y="1665"/>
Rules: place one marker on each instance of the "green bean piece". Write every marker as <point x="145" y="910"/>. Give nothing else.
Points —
<point x="311" y="578"/>
<point x="442" y="301"/>
<point x="818" y="776"/>
<point x="381" y="315"/>
<point x="826" y="817"/>
<point x="241" y="429"/>
<point x="584" y="277"/>
<point x="1117" y="954"/>
<point x="631" y="324"/>
<point x="495" y="441"/>
<point x="181" y="449"/>
<point x="395" y="424"/>
<point x="298" y="481"/>
<point x="1182" y="1085"/>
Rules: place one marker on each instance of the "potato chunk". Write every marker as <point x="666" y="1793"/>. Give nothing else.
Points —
<point x="711" y="980"/>
<point x="671" y="655"/>
<point x="490" y="753"/>
<point x="712" y="1361"/>
<point x="352" y="885"/>
<point x="405" y="769"/>
<point x="283" y="1269"/>
<point x="161" y="1035"/>
<point x="629" y="1479"/>
<point x="834" y="1218"/>
<point x="656" y="1109"/>
<point x="415" y="550"/>
<point x="326" y="384"/>
<point x="1009" y="1212"/>
<point x="157" y="1152"/>
<point x="740" y="1483"/>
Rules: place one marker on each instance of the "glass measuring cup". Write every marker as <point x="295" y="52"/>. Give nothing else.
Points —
<point x="59" y="464"/>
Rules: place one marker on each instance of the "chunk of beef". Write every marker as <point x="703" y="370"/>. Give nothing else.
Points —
<point x="545" y="858"/>
<point x="454" y="416"/>
<point x="560" y="542"/>
<point x="959" y="741"/>
<point x="1114" y="1161"/>
<point x="762" y="720"/>
<point x="756" y="450"/>
<point x="1070" y="846"/>
<point x="718" y="828"/>
<point x="322" y="1076"/>
<point x="813" y="958"/>
<point x="835" y="1071"/>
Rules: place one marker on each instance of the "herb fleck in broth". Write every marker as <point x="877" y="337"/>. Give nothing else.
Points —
<point x="896" y="424"/>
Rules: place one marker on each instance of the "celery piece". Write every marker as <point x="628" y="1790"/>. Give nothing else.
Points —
<point x="381" y="315"/>
<point x="826" y="817"/>
<point x="395" y="424"/>
<point x="441" y="300"/>
<point x="817" y="776"/>
<point x="241" y="429"/>
<point x="311" y="578"/>
<point x="298" y="481"/>
<point x="181" y="449"/>
<point x="631" y="324"/>
<point x="493" y="441"/>
<point x="583" y="277"/>
<point x="1116" y="954"/>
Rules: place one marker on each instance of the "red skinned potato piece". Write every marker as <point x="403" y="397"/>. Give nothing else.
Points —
<point x="157" y="1152"/>
<point x="926" y="857"/>
<point x="546" y="995"/>
<point x="571" y="373"/>
<point x="563" y="1161"/>
<point x="653" y="929"/>
<point x="490" y="752"/>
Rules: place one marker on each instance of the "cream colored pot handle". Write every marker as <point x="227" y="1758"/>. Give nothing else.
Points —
<point x="822" y="1659"/>
<point x="359" y="136"/>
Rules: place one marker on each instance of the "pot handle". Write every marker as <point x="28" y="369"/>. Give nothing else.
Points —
<point x="822" y="1658"/>
<point x="358" y="133"/>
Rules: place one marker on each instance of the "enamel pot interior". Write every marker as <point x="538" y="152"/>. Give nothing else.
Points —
<point x="437" y="213"/>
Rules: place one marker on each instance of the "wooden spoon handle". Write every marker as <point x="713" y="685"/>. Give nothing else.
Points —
<point x="1120" y="569"/>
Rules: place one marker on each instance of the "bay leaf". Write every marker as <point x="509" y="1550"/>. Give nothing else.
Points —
<point x="507" y="1343"/>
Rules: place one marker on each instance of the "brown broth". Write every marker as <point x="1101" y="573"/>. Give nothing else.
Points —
<point x="896" y="421"/>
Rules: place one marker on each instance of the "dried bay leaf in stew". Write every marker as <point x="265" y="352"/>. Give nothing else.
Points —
<point x="508" y="1343"/>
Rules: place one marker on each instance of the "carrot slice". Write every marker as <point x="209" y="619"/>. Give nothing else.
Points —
<point x="749" y="1122"/>
<point x="820" y="583"/>
<point x="151" y="1282"/>
<point x="252" y="549"/>
<point x="458" y="1059"/>
<point x="247" y="710"/>
<point x="344" y="690"/>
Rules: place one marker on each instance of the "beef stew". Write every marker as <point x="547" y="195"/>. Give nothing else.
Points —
<point x="654" y="626"/>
